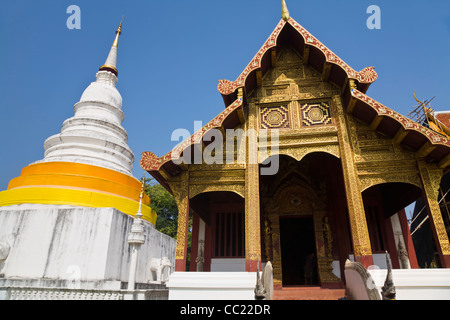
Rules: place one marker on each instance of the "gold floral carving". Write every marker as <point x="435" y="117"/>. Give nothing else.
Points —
<point x="301" y="142"/>
<point x="216" y="167"/>
<point x="181" y="194"/>
<point x="431" y="179"/>
<point x="299" y="153"/>
<point x="358" y="223"/>
<point x="252" y="208"/>
<point x="372" y="180"/>
<point x="195" y="190"/>
<point x="314" y="114"/>
<point x="275" y="117"/>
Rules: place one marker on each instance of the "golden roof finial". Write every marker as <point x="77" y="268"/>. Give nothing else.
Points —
<point x="284" y="11"/>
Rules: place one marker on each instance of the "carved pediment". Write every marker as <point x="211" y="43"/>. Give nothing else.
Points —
<point x="295" y="196"/>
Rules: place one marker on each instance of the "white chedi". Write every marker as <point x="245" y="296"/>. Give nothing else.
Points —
<point x="94" y="135"/>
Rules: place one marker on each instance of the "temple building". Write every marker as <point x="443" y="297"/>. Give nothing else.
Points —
<point x="303" y="169"/>
<point x="301" y="175"/>
<point x="65" y="221"/>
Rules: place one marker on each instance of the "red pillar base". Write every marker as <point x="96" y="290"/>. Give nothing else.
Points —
<point x="250" y="265"/>
<point x="445" y="261"/>
<point x="180" y="265"/>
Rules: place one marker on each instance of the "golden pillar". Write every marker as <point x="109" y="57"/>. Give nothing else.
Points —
<point x="252" y="207"/>
<point x="431" y="179"/>
<point x="181" y="195"/>
<point x="358" y="223"/>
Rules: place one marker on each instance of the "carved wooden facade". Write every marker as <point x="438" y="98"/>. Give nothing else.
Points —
<point x="345" y="160"/>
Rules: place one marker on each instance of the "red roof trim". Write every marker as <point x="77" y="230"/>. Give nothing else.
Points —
<point x="407" y="124"/>
<point x="150" y="162"/>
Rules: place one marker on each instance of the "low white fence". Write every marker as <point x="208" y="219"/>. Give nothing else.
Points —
<point x="23" y="293"/>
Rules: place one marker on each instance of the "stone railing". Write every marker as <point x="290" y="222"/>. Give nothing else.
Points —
<point x="29" y="293"/>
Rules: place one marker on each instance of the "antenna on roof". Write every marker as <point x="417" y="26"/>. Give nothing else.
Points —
<point x="421" y="111"/>
<point x="425" y="115"/>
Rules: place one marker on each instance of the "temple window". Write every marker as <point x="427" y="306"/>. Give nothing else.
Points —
<point x="228" y="235"/>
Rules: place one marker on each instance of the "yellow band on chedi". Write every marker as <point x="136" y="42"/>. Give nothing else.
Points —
<point x="65" y="183"/>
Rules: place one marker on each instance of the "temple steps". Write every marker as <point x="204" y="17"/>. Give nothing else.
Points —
<point x="308" y="293"/>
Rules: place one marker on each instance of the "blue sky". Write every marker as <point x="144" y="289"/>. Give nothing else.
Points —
<point x="172" y="54"/>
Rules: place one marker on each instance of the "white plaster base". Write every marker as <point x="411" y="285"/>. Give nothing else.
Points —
<point x="75" y="244"/>
<point x="416" y="284"/>
<point x="212" y="286"/>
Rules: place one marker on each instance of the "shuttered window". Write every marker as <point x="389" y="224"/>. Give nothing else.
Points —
<point x="229" y="235"/>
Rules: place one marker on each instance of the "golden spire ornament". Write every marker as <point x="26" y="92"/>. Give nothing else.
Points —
<point x="118" y="33"/>
<point x="284" y="11"/>
<point x="111" y="61"/>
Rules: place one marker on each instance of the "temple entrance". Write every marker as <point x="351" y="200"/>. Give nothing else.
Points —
<point x="303" y="205"/>
<point x="298" y="252"/>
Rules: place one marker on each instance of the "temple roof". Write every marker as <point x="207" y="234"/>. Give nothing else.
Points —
<point x="313" y="52"/>
<point x="426" y="143"/>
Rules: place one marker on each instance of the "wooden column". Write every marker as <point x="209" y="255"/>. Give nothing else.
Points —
<point x="431" y="179"/>
<point x="358" y="224"/>
<point x="390" y="232"/>
<point x="181" y="195"/>
<point x="198" y="260"/>
<point x="195" y="242"/>
<point x="252" y="208"/>
<point x="408" y="239"/>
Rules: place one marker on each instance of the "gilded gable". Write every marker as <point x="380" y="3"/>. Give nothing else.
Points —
<point x="293" y="95"/>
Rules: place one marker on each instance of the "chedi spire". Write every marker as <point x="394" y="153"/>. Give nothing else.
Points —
<point x="111" y="60"/>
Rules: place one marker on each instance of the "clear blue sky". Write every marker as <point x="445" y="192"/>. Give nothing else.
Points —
<point x="172" y="53"/>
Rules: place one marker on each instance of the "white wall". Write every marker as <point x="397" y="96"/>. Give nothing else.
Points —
<point x="212" y="286"/>
<point x="416" y="284"/>
<point x="63" y="242"/>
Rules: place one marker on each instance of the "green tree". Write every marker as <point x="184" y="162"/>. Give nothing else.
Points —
<point x="166" y="208"/>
